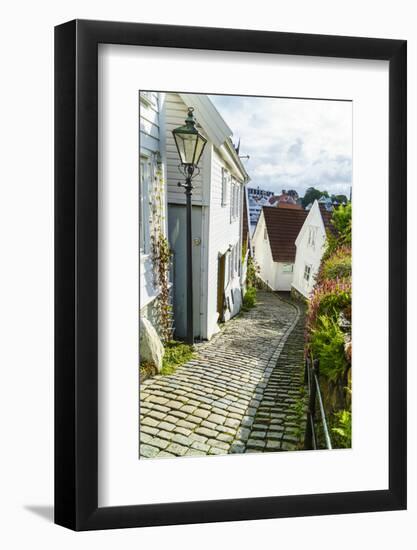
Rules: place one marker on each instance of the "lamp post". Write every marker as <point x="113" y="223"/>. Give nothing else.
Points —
<point x="190" y="144"/>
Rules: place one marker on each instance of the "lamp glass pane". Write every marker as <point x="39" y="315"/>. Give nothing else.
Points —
<point x="186" y="147"/>
<point x="199" y="148"/>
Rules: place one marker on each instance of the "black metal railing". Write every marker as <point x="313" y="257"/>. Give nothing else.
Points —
<point x="311" y="379"/>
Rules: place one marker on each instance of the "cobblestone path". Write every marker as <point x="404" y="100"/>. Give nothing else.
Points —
<point x="280" y="419"/>
<point x="233" y="397"/>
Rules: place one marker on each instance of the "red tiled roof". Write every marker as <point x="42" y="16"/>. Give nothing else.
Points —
<point x="289" y="205"/>
<point x="283" y="226"/>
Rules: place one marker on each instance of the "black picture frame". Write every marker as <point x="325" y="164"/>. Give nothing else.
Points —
<point x="76" y="272"/>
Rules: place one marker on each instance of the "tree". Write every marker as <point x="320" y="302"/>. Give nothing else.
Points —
<point x="342" y="221"/>
<point x="340" y="199"/>
<point x="311" y="195"/>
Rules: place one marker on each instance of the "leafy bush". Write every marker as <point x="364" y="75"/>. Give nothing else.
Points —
<point x="327" y="344"/>
<point x="329" y="297"/>
<point x="328" y="326"/>
<point x="176" y="354"/>
<point x="342" y="222"/>
<point x="252" y="273"/>
<point x="338" y="265"/>
<point x="249" y="300"/>
<point x="343" y="429"/>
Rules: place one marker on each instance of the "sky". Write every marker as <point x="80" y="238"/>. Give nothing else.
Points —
<point x="292" y="143"/>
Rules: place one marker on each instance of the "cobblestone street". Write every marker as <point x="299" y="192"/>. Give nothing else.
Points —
<point x="238" y="395"/>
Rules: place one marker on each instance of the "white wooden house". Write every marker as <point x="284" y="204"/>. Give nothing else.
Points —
<point x="273" y="245"/>
<point x="216" y="218"/>
<point x="310" y="245"/>
<point x="152" y="197"/>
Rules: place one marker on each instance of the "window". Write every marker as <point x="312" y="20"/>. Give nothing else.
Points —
<point x="234" y="200"/>
<point x="288" y="268"/>
<point x="144" y="178"/>
<point x="265" y="233"/>
<point x="307" y="271"/>
<point x="148" y="97"/>
<point x="312" y="236"/>
<point x="225" y="181"/>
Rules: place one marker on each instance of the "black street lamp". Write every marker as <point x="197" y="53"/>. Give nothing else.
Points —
<point x="190" y="144"/>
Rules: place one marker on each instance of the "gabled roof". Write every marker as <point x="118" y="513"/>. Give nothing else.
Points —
<point x="283" y="226"/>
<point x="209" y="117"/>
<point x="216" y="128"/>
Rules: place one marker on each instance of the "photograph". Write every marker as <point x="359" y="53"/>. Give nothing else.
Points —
<point x="245" y="274"/>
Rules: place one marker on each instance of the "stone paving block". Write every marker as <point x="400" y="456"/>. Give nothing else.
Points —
<point x="216" y="418"/>
<point x="237" y="447"/>
<point x="194" y="419"/>
<point x="206" y="432"/>
<point x="183" y="431"/>
<point x="219" y="444"/>
<point x="171" y="419"/>
<point x="201" y="413"/>
<point x="247" y="421"/>
<point x="256" y="443"/>
<point x="176" y="449"/>
<point x="156" y="414"/>
<point x="216" y="451"/>
<point x="273" y="444"/>
<point x="167" y="426"/>
<point x="182" y="440"/>
<point x="188" y="409"/>
<point x="232" y="423"/>
<point x="194" y="452"/>
<point x="243" y="433"/>
<point x="148" y="421"/>
<point x="186" y="424"/>
<point x="200" y="446"/>
<point x="147" y="451"/>
<point x="174" y="404"/>
<point x="228" y="438"/>
<point x="166" y="435"/>
<point x="148" y="430"/>
<point x="258" y="434"/>
<point x="209" y="425"/>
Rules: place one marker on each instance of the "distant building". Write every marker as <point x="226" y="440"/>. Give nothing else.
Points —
<point x="287" y="199"/>
<point x="288" y="245"/>
<point x="274" y="245"/>
<point x="326" y="202"/>
<point x="257" y="198"/>
<point x="310" y="246"/>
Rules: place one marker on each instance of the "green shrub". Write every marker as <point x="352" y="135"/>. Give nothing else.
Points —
<point x="252" y="273"/>
<point x="338" y="265"/>
<point x="176" y="354"/>
<point x="342" y="429"/>
<point x="330" y="297"/>
<point x="327" y="344"/>
<point x="249" y="299"/>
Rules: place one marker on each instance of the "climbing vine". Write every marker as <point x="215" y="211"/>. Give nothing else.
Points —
<point x="161" y="258"/>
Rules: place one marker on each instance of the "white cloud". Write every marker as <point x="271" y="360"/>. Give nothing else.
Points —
<point x="292" y="143"/>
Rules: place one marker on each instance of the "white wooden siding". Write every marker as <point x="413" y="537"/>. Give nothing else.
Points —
<point x="268" y="269"/>
<point x="175" y="115"/>
<point x="307" y="253"/>
<point x="222" y="233"/>
<point x="150" y="150"/>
